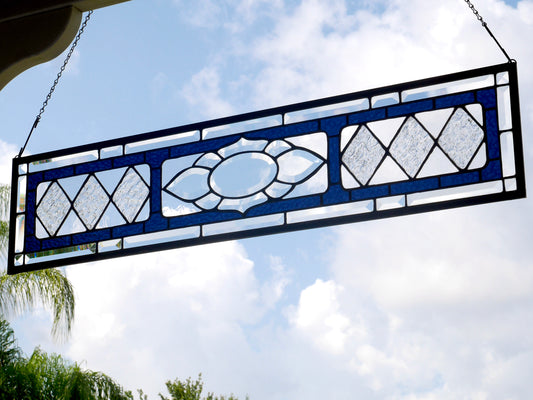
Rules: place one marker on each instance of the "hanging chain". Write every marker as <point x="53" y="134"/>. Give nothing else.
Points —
<point x="484" y="24"/>
<point x="56" y="81"/>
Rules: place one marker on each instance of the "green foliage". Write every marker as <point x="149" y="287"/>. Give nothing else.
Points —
<point x="49" y="377"/>
<point x="22" y="292"/>
<point x="191" y="390"/>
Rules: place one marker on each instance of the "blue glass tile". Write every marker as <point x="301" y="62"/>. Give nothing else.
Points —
<point x="409" y="108"/>
<point x="93" y="167"/>
<point x="493" y="143"/>
<point x="34" y="180"/>
<point x="203" y="218"/>
<point x="492" y="171"/>
<point x="89" y="237"/>
<point x="131" y="159"/>
<point x="369" y="193"/>
<point x="333" y="126"/>
<point x="455" y="100"/>
<point x="414" y="186"/>
<point x="156" y="190"/>
<point x="334" y="164"/>
<point x="127" y="230"/>
<point x="459" y="179"/>
<point x="285" y="205"/>
<point x="56" y="243"/>
<point x="335" y="195"/>
<point x="156" y="157"/>
<point x="366" y="116"/>
<point x="487" y="98"/>
<point x="58" y="173"/>
<point x="31" y="244"/>
<point x="156" y="223"/>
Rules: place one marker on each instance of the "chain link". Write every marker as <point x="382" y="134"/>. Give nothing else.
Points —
<point x="476" y="13"/>
<point x="484" y="24"/>
<point x="56" y="81"/>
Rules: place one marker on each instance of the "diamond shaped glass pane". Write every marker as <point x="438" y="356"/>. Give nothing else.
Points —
<point x="91" y="202"/>
<point x="411" y="146"/>
<point x="363" y="154"/>
<point x="53" y="208"/>
<point x="130" y="194"/>
<point x="461" y="138"/>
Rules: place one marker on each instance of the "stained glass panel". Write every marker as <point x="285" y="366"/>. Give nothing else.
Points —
<point x="426" y="145"/>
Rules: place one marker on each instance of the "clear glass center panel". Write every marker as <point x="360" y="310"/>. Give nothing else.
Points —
<point x="243" y="174"/>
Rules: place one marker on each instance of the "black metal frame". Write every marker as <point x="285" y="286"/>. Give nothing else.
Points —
<point x="297" y="128"/>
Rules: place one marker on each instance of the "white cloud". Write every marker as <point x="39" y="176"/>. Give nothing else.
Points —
<point x="8" y="151"/>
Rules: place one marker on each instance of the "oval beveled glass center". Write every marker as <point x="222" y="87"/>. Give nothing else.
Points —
<point x="243" y="174"/>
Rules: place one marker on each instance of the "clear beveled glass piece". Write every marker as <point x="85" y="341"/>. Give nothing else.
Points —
<point x="504" y="108"/>
<point x="61" y="161"/>
<point x="502" y="78"/>
<point x="240" y="127"/>
<point x="113" y="151"/>
<point x="243" y="174"/>
<point x="130" y="194"/>
<point x="454" y="193"/>
<point x="63" y="252"/>
<point x="21" y="194"/>
<point x="385" y="100"/>
<point x="277" y="147"/>
<point x="18" y="260"/>
<point x="91" y="202"/>
<point x="448" y="88"/>
<point x="278" y="189"/>
<point x="316" y="142"/>
<point x="23" y="169"/>
<point x="312" y="214"/>
<point x="316" y="183"/>
<point x="162" y="237"/>
<point x="296" y="165"/>
<point x="241" y="146"/>
<point x="510" y="185"/>
<point x="243" y="224"/>
<point x="208" y="202"/>
<point x="411" y="147"/>
<point x="363" y="155"/>
<point x="166" y="141"/>
<point x="461" y="138"/>
<point x="208" y="160"/>
<point x="53" y="208"/>
<point x="174" y="207"/>
<point x="507" y="147"/>
<point x="326" y="111"/>
<point x="109" y="245"/>
<point x="19" y="233"/>
<point x="390" y="203"/>
<point x="242" y="204"/>
<point x="191" y="184"/>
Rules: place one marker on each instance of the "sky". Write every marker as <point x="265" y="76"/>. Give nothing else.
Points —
<point x="429" y="306"/>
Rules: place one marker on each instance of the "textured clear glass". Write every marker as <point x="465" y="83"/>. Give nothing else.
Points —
<point x="461" y="138"/>
<point x="53" y="208"/>
<point x="91" y="202"/>
<point x="130" y="194"/>
<point x="363" y="154"/>
<point x="411" y="146"/>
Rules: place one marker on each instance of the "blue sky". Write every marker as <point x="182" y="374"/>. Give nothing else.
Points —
<point x="432" y="306"/>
